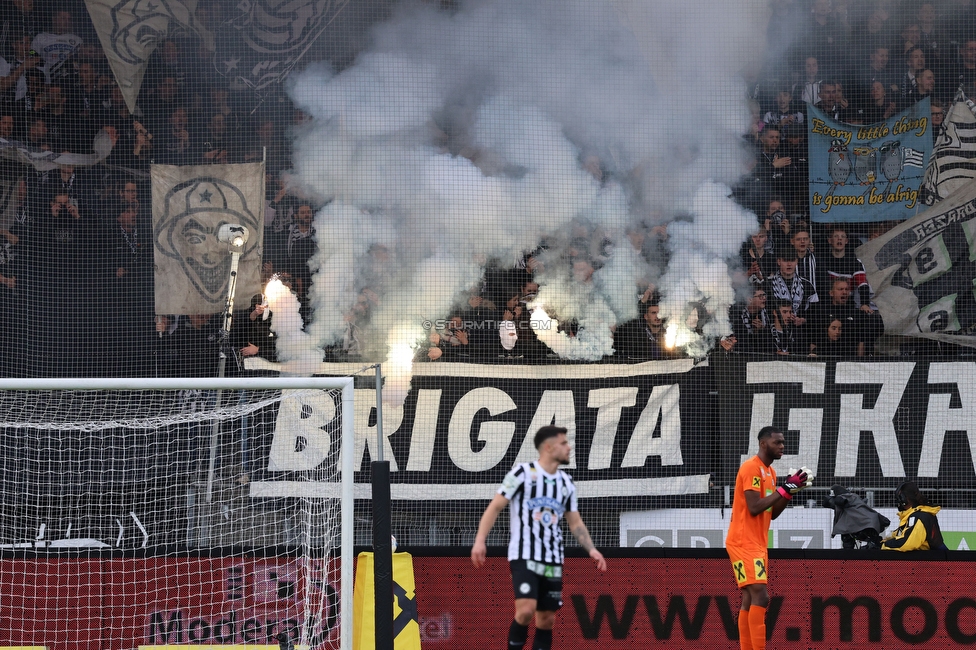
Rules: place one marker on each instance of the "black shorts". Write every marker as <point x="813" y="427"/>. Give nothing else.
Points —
<point x="539" y="581"/>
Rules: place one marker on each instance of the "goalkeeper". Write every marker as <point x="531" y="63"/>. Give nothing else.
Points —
<point x="756" y="502"/>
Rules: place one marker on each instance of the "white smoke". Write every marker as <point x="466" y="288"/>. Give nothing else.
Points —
<point x="701" y="273"/>
<point x="464" y="137"/>
<point x="293" y="346"/>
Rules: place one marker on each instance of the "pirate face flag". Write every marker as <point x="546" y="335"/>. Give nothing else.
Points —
<point x="129" y="31"/>
<point x="261" y="45"/>
<point x="190" y="204"/>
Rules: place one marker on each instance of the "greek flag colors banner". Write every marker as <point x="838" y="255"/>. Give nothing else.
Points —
<point x="868" y="172"/>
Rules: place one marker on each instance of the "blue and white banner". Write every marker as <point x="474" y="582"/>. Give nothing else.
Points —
<point x="868" y="172"/>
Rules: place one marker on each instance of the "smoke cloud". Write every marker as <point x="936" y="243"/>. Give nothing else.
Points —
<point x="464" y="138"/>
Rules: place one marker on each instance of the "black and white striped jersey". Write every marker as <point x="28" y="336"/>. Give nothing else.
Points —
<point x="538" y="501"/>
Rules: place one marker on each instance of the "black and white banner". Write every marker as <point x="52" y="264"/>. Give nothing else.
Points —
<point x="636" y="430"/>
<point x="922" y="272"/>
<point x="44" y="160"/>
<point x="952" y="166"/>
<point x="863" y="424"/>
<point x="263" y="42"/>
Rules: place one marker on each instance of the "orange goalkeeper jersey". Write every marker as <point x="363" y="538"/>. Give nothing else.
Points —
<point x="746" y="530"/>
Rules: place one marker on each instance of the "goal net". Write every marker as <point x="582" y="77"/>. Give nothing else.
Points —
<point x="129" y="517"/>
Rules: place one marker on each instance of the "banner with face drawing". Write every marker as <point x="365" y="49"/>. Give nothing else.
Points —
<point x="190" y="204"/>
<point x="868" y="172"/>
<point x="129" y="31"/>
<point x="263" y="42"/>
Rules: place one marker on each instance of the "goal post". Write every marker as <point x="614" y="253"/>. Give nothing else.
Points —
<point x="43" y="412"/>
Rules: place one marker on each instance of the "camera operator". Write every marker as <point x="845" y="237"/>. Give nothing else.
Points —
<point x="858" y="524"/>
<point x="918" y="528"/>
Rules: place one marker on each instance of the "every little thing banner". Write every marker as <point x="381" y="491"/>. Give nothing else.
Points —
<point x="868" y="172"/>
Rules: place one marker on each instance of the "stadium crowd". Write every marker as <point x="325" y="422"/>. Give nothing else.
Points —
<point x="76" y="253"/>
<point x="859" y="63"/>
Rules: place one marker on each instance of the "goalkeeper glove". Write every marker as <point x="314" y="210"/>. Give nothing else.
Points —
<point x="798" y="480"/>
<point x="808" y="472"/>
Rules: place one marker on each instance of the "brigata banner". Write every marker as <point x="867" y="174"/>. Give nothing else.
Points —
<point x="860" y="424"/>
<point x="637" y="429"/>
<point x="922" y="272"/>
<point x="867" y="172"/>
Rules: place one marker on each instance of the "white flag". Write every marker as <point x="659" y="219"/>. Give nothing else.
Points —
<point x="129" y="31"/>
<point x="952" y="165"/>
<point x="45" y="160"/>
<point x="922" y="271"/>
<point x="190" y="204"/>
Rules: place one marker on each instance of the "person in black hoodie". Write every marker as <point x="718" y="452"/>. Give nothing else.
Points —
<point x="918" y="528"/>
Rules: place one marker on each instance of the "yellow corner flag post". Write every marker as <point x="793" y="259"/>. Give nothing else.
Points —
<point x="406" y="626"/>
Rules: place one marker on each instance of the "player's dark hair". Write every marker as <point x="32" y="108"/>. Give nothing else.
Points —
<point x="546" y="432"/>
<point x="766" y="432"/>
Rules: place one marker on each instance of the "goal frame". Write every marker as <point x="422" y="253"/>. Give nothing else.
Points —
<point x="347" y="449"/>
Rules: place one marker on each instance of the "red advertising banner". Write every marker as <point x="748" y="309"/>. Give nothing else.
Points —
<point x="209" y="600"/>
<point x="46" y="600"/>
<point x="70" y="604"/>
<point x="679" y="603"/>
<point x="685" y="603"/>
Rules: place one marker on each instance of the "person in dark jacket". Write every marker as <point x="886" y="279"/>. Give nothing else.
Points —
<point x="643" y="337"/>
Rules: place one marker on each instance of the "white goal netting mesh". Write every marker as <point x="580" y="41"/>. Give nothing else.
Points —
<point x="139" y="506"/>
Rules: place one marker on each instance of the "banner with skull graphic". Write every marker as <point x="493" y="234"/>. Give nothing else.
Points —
<point x="190" y="204"/>
<point x="868" y="172"/>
